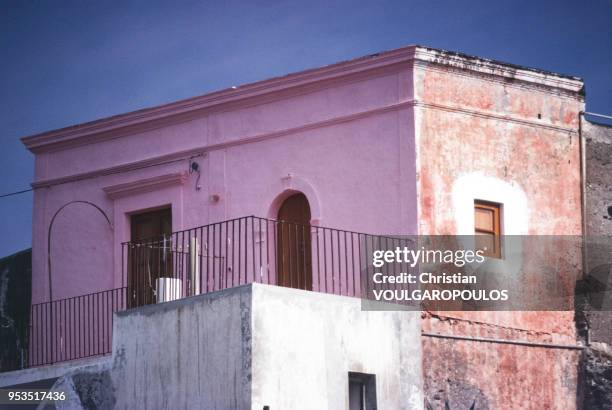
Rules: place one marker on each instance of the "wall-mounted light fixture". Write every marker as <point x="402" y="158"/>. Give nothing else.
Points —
<point x="195" y="167"/>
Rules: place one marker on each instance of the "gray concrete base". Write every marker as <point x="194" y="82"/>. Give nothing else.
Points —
<point x="259" y="345"/>
<point x="250" y="347"/>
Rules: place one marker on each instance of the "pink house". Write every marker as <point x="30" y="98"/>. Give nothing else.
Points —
<point x="409" y="141"/>
<point x="342" y="135"/>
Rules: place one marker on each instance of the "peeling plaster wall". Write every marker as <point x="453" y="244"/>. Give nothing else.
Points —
<point x="481" y="136"/>
<point x="498" y="376"/>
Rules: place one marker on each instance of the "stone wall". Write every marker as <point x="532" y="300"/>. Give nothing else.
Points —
<point x="594" y="318"/>
<point x="15" y="287"/>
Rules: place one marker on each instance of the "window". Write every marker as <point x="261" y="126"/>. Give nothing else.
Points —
<point x="487" y="228"/>
<point x="362" y="391"/>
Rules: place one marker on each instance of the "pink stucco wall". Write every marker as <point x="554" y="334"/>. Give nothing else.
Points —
<point x="345" y="139"/>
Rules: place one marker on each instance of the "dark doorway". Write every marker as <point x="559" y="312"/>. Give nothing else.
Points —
<point x="150" y="256"/>
<point x="362" y="391"/>
<point x="293" y="248"/>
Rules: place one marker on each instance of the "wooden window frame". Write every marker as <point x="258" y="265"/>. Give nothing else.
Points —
<point x="496" y="208"/>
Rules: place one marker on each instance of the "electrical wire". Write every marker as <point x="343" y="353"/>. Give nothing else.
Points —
<point x="16" y="193"/>
<point x="114" y="172"/>
<point x="120" y="171"/>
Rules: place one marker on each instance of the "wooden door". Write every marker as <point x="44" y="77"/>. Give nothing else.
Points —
<point x="150" y="257"/>
<point x="293" y="248"/>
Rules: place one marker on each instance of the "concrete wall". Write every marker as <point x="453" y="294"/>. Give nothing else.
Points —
<point x="261" y="345"/>
<point x="306" y="343"/>
<point x="192" y="353"/>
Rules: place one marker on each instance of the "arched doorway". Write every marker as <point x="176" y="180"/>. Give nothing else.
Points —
<point x="293" y="247"/>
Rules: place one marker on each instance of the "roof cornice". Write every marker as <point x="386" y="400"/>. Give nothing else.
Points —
<point x="513" y="72"/>
<point x="132" y="121"/>
<point x="155" y="117"/>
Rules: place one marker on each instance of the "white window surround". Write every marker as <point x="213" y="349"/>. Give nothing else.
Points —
<point x="477" y="186"/>
<point x="514" y="212"/>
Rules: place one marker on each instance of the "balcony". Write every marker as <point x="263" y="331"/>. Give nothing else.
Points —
<point x="196" y="261"/>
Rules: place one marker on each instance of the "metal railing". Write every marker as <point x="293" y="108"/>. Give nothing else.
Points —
<point x="196" y="261"/>
<point x="245" y="250"/>
<point x="73" y="328"/>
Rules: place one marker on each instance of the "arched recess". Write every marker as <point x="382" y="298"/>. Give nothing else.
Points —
<point x="277" y="195"/>
<point x="75" y="233"/>
<point x="286" y="187"/>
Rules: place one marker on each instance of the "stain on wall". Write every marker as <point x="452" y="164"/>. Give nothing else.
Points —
<point x="480" y="375"/>
<point x="524" y="134"/>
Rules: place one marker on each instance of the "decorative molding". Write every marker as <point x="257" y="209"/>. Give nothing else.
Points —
<point x="150" y="118"/>
<point x="124" y="123"/>
<point x="201" y="151"/>
<point x="492" y="116"/>
<point x="145" y="185"/>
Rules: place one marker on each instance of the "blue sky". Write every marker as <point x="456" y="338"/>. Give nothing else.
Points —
<point x="66" y="62"/>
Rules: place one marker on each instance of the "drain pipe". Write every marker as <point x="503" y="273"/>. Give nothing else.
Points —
<point x="582" y="144"/>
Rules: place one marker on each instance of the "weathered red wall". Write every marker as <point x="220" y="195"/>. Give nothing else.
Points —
<point x="525" y="135"/>
<point x="494" y="375"/>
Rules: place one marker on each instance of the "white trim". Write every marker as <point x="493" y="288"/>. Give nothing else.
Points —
<point x="477" y="186"/>
<point x="514" y="215"/>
